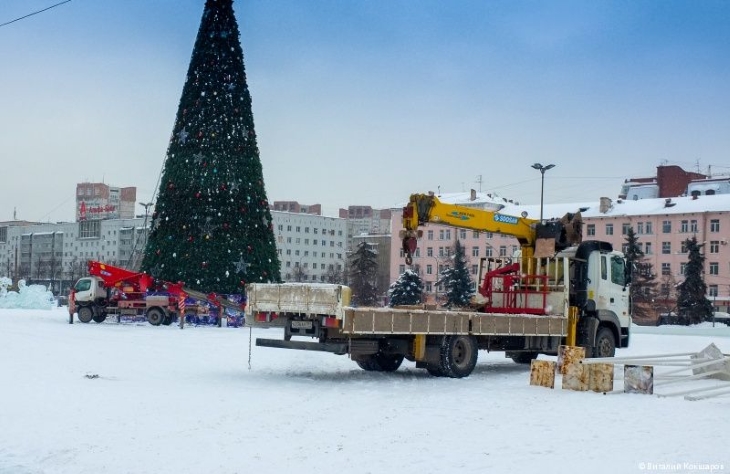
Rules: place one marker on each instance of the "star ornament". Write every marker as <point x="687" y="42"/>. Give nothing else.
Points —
<point x="182" y="136"/>
<point x="198" y="157"/>
<point x="241" y="266"/>
<point x="207" y="228"/>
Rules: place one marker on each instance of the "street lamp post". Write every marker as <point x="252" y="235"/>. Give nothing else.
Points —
<point x="542" y="169"/>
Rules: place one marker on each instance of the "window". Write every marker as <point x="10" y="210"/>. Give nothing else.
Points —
<point x="684" y="226"/>
<point x="604" y="268"/>
<point x="666" y="269"/>
<point x="475" y="251"/>
<point x="648" y="228"/>
<point x="288" y="251"/>
<point x="306" y="230"/>
<point x="502" y="250"/>
<point x="401" y="269"/>
<point x="462" y="234"/>
<point x="490" y="235"/>
<point x="475" y="234"/>
<point x="442" y="233"/>
<point x="609" y="229"/>
<point x="3" y="234"/>
<point x="712" y="290"/>
<point x="429" y="269"/>
<point x="429" y="251"/>
<point x="648" y="250"/>
<point x="693" y="225"/>
<point x="299" y="229"/>
<point x="429" y="235"/>
<point x="618" y="270"/>
<point x="683" y="248"/>
<point x="639" y="228"/>
<point x="714" y="246"/>
<point x="315" y="230"/>
<point x="474" y="269"/>
<point x="714" y="225"/>
<point x="89" y="229"/>
<point x="666" y="248"/>
<point x="488" y="253"/>
<point x="448" y="234"/>
<point x="667" y="227"/>
<point x="682" y="268"/>
<point x="441" y="251"/>
<point x="288" y="228"/>
<point x="714" y="268"/>
<point x="625" y="228"/>
<point x="591" y="229"/>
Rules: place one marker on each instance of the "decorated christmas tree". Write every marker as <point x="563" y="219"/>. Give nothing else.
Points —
<point x="211" y="225"/>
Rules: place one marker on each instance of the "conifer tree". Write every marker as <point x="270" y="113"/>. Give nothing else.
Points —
<point x="212" y="225"/>
<point x="457" y="280"/>
<point x="692" y="304"/>
<point x="363" y="268"/>
<point x="406" y="290"/>
<point x="643" y="281"/>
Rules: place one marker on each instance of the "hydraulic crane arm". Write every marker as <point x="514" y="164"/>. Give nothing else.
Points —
<point x="427" y="208"/>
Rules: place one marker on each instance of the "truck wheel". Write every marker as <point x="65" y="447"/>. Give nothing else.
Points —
<point x="435" y="371"/>
<point x="86" y="314"/>
<point x="458" y="356"/>
<point x="605" y="343"/>
<point x="380" y="362"/>
<point x="155" y="316"/>
<point x="168" y="319"/>
<point x="524" y="357"/>
<point x="99" y="318"/>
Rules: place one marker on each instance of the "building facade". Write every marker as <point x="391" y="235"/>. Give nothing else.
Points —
<point x="100" y="201"/>
<point x="56" y="254"/>
<point x="311" y="247"/>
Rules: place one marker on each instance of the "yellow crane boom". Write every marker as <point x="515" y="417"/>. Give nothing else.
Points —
<point x="427" y="208"/>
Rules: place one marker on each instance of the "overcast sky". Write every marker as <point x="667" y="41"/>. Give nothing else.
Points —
<point x="363" y="102"/>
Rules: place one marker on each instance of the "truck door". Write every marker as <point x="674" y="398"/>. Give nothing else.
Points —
<point x="610" y="290"/>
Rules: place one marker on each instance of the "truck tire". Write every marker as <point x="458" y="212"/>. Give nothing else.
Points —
<point x="605" y="343"/>
<point x="168" y="319"/>
<point x="435" y="371"/>
<point x="99" y="318"/>
<point x="524" y="357"/>
<point x="86" y="314"/>
<point x="458" y="356"/>
<point x="380" y="362"/>
<point x="155" y="316"/>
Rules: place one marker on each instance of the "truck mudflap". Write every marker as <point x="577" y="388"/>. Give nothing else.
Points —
<point x="339" y="348"/>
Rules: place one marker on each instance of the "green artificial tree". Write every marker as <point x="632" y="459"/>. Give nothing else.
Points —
<point x="212" y="225"/>
<point x="692" y="304"/>
<point x="456" y="279"/>
<point x="363" y="268"/>
<point x="406" y="290"/>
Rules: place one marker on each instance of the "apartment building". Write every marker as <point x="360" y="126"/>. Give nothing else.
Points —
<point x="310" y="247"/>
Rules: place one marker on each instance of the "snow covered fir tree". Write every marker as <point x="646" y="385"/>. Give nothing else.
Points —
<point x="456" y="280"/>
<point x="643" y="281"/>
<point x="406" y="290"/>
<point x="363" y="269"/>
<point x="692" y="304"/>
<point x="211" y="225"/>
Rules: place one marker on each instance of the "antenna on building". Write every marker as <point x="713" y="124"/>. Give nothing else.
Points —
<point x="479" y="182"/>
<point x="15" y="213"/>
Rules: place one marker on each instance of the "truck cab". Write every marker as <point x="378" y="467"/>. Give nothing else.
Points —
<point x="89" y="289"/>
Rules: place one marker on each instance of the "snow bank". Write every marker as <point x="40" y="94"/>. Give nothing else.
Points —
<point x="27" y="296"/>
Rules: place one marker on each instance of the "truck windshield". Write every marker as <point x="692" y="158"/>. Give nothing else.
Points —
<point x="83" y="285"/>
<point x="618" y="274"/>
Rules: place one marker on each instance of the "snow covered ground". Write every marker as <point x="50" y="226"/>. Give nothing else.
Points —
<point x="184" y="401"/>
